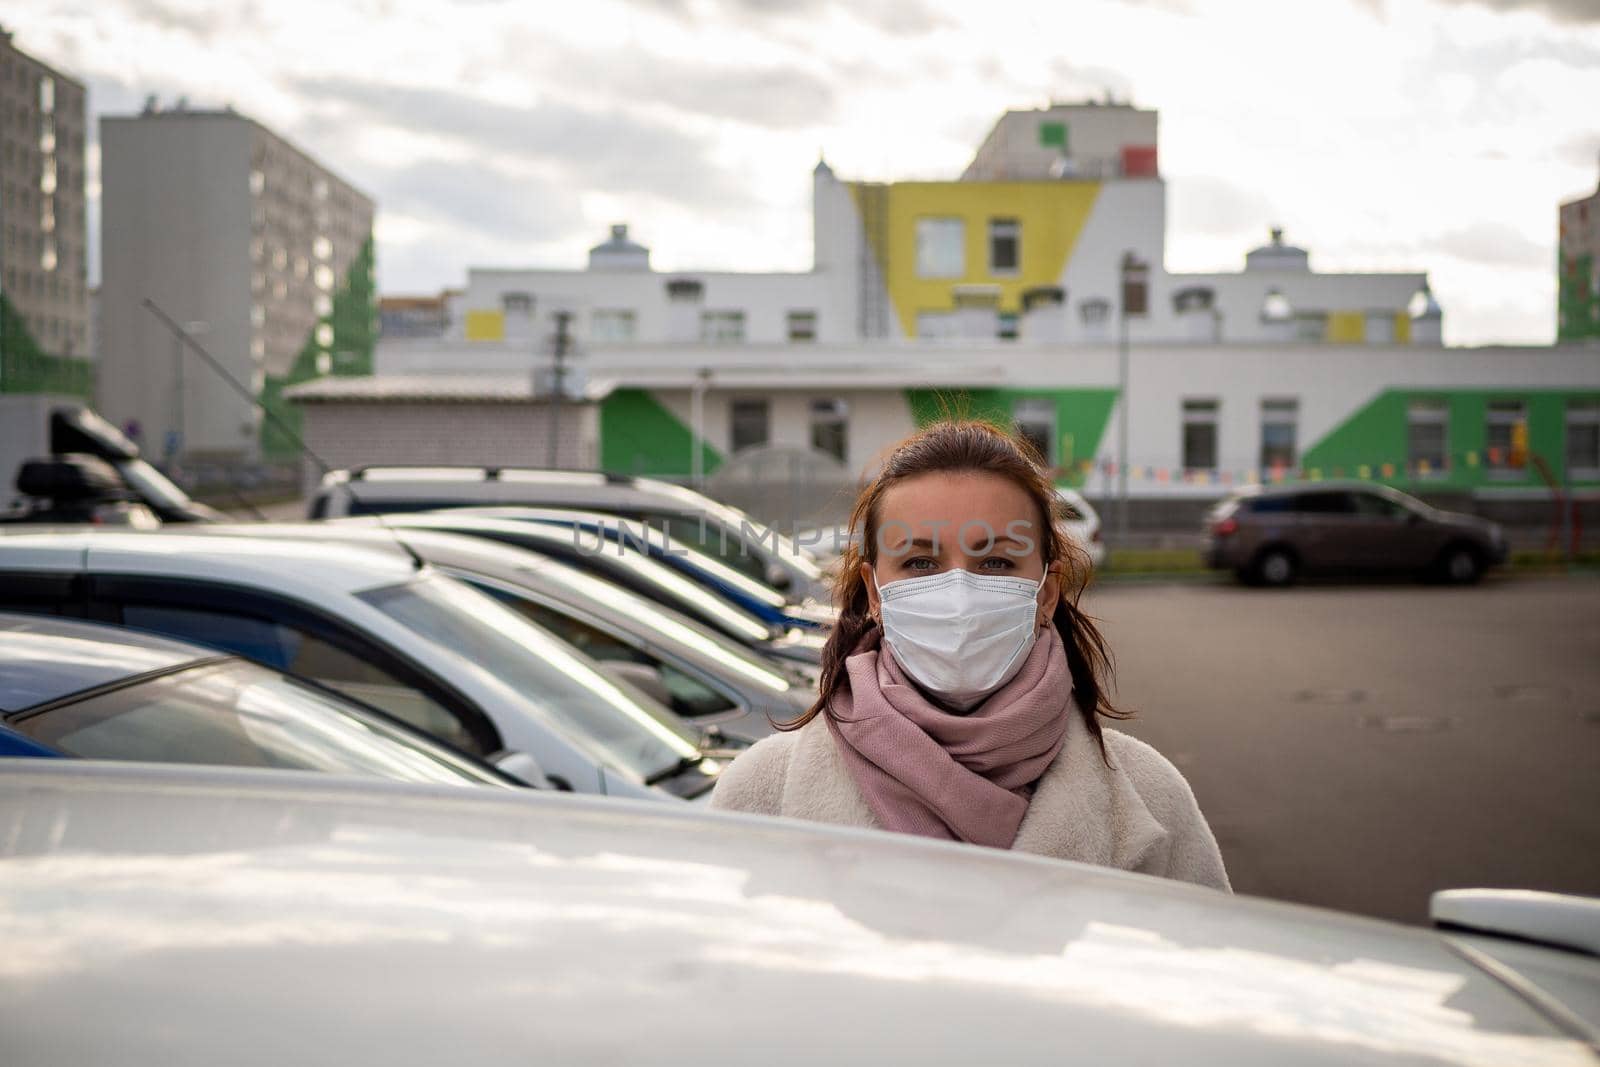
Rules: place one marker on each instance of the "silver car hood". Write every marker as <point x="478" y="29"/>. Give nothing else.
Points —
<point x="182" y="916"/>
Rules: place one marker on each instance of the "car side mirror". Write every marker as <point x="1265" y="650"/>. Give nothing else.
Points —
<point x="778" y="578"/>
<point x="522" y="767"/>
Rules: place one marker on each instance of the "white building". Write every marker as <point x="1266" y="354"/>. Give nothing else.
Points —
<point x="1029" y="243"/>
<point x="1001" y="298"/>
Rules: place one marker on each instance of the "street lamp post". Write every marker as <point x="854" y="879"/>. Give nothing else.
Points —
<point x="177" y="438"/>
<point x="1135" y="301"/>
<point x="558" y="381"/>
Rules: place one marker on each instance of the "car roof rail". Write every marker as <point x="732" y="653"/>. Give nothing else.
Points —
<point x="491" y="471"/>
<point x="1553" y="919"/>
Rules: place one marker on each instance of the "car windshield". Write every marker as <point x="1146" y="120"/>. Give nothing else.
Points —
<point x="236" y="713"/>
<point x="671" y="586"/>
<point x="782" y="549"/>
<point x="633" y="536"/>
<point x="151" y="485"/>
<point x="623" y="726"/>
<point x="641" y="612"/>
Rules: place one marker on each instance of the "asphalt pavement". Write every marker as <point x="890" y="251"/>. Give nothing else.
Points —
<point x="1359" y="746"/>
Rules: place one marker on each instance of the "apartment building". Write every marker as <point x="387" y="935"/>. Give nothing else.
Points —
<point x="44" y="254"/>
<point x="259" y="251"/>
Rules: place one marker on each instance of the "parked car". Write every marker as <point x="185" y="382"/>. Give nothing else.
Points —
<point x="77" y="429"/>
<point x="105" y="692"/>
<point x="597" y="529"/>
<point x="385" y="630"/>
<point x="182" y="915"/>
<point x="626" y="567"/>
<point x="1272" y="535"/>
<point x="71" y="489"/>
<point x="692" y="518"/>
<point x="701" y="675"/>
<point x="1082" y="523"/>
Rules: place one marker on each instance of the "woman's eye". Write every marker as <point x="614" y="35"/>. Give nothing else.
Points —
<point x="920" y="563"/>
<point x="998" y="563"/>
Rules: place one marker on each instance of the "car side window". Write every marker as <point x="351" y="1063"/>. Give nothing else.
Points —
<point x="693" y="532"/>
<point x="295" y="651"/>
<point x="689" y="696"/>
<point x="1326" y="503"/>
<point x="1269" y="505"/>
<point x="1374" y="506"/>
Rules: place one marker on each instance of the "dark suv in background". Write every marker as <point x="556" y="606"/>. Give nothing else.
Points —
<point x="1271" y="535"/>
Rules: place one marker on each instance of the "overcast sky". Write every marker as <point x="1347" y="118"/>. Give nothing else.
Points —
<point x="1434" y="135"/>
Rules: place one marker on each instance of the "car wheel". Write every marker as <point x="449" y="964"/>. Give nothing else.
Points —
<point x="1275" y="567"/>
<point x="1459" y="565"/>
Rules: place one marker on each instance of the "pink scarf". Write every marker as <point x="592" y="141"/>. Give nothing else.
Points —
<point x="927" y="771"/>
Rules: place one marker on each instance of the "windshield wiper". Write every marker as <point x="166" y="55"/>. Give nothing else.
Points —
<point x="682" y="766"/>
<point x="713" y="745"/>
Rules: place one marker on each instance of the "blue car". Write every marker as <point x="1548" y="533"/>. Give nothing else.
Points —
<point x="594" y="531"/>
<point x="75" y="689"/>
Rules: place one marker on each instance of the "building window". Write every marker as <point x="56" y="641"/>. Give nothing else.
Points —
<point x="1200" y="434"/>
<point x="941" y="248"/>
<point x="1095" y="312"/>
<point x="1035" y="421"/>
<point x="1006" y="325"/>
<point x="937" y="326"/>
<point x="830" y="427"/>
<point x="1380" y="328"/>
<point x="1005" y="251"/>
<point x="721" y="327"/>
<point x="749" y="424"/>
<point x="1505" y="424"/>
<point x="1311" y="326"/>
<point x="611" y="325"/>
<point x="1583" y="439"/>
<point x="1279" y="419"/>
<point x="1427" y="436"/>
<point x="802" y="325"/>
<point x="515" y="303"/>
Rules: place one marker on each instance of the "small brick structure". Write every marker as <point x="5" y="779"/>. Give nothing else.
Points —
<point x="476" y="420"/>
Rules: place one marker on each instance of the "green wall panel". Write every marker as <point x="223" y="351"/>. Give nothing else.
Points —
<point x="640" y="436"/>
<point x="1081" y="417"/>
<point x="1376" y="434"/>
<point x="27" y="368"/>
<point x="354" y="320"/>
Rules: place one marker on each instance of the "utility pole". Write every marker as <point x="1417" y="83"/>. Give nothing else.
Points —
<point x="1135" y="301"/>
<point x="697" y="427"/>
<point x="558" y="381"/>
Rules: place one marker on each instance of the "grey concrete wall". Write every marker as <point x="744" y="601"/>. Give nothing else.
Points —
<point x="352" y="434"/>
<point x="175" y="229"/>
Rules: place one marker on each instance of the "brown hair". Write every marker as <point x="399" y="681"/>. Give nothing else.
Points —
<point x="946" y="447"/>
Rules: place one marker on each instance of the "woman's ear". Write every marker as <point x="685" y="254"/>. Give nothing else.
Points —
<point x="872" y="590"/>
<point x="1054" y="583"/>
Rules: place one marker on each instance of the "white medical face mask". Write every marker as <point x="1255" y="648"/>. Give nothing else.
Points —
<point x="960" y="635"/>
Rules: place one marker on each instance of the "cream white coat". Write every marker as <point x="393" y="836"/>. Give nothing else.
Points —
<point x="1138" y="814"/>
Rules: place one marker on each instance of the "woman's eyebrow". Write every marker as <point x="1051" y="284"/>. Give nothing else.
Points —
<point x="990" y="544"/>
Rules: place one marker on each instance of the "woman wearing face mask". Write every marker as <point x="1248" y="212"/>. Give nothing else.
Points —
<point x="962" y="688"/>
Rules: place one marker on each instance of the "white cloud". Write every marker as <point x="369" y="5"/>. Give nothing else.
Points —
<point x="1384" y="134"/>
